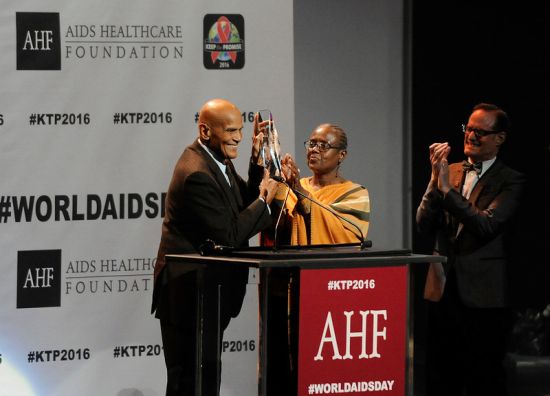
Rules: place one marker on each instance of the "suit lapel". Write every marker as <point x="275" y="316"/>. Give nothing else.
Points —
<point x="219" y="177"/>
<point x="456" y="177"/>
<point x="485" y="179"/>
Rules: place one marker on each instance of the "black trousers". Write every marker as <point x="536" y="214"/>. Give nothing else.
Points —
<point x="466" y="347"/>
<point x="194" y="312"/>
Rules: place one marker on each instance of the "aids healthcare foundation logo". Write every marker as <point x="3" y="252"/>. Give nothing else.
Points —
<point x="38" y="41"/>
<point x="38" y="278"/>
<point x="223" y="41"/>
<point x="42" y="41"/>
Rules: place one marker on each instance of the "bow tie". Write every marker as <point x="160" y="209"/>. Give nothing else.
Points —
<point x="467" y="166"/>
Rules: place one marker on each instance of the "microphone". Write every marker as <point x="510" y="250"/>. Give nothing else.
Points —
<point x="211" y="248"/>
<point x="363" y="243"/>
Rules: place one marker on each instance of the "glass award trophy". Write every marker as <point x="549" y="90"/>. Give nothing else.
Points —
<point x="271" y="148"/>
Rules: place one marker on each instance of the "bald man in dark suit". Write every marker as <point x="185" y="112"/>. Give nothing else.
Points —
<point x="208" y="200"/>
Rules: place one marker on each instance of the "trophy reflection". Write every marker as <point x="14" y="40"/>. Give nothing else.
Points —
<point x="271" y="147"/>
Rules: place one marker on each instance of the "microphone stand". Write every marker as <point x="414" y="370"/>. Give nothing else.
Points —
<point x="363" y="243"/>
<point x="279" y="219"/>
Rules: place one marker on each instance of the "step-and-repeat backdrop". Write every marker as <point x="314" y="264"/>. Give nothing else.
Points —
<point x="97" y="101"/>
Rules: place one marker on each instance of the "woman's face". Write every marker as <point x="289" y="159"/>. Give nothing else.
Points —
<point x="324" y="161"/>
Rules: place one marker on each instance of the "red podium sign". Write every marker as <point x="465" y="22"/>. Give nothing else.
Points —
<point x="352" y="338"/>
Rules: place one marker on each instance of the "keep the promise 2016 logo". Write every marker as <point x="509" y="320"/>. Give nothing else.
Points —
<point x="223" y="41"/>
<point x="38" y="41"/>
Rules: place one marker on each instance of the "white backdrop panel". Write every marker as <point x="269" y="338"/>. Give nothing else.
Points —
<point x="81" y="191"/>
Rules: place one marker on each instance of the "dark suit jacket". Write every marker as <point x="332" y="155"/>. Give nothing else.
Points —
<point x="200" y="205"/>
<point x="479" y="252"/>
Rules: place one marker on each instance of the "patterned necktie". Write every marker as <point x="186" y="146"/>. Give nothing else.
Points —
<point x="233" y="183"/>
<point x="228" y="174"/>
<point x="467" y="166"/>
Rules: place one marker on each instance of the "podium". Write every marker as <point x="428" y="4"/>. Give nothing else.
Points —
<point x="331" y="319"/>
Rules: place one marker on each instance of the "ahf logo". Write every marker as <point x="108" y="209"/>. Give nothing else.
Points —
<point x="38" y="41"/>
<point x="223" y="41"/>
<point x="38" y="278"/>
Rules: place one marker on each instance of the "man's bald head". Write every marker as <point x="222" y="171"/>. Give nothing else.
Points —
<point x="216" y="111"/>
<point x="220" y="128"/>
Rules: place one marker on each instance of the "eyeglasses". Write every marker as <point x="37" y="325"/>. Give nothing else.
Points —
<point x="321" y="146"/>
<point x="478" y="132"/>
